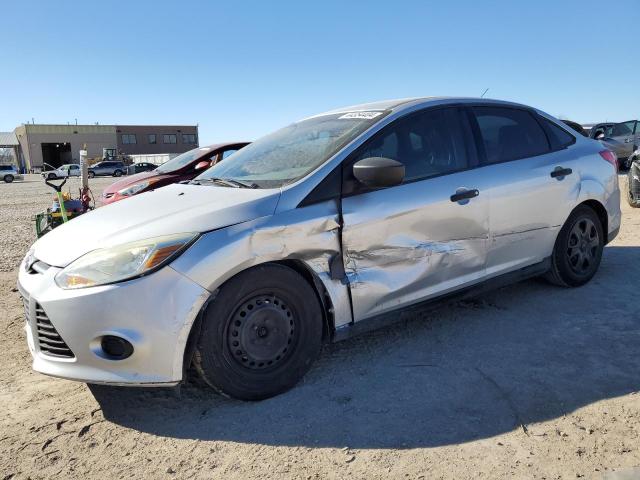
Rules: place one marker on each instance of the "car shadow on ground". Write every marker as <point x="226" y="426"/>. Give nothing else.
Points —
<point x="517" y="356"/>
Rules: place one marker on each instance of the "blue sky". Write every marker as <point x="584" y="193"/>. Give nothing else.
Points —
<point x="241" y="69"/>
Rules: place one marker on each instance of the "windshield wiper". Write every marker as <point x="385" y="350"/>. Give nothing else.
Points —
<point x="229" y="182"/>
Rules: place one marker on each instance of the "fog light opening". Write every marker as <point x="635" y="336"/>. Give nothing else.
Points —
<point x="116" y="348"/>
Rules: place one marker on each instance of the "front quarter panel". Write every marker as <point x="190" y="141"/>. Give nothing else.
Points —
<point x="309" y="234"/>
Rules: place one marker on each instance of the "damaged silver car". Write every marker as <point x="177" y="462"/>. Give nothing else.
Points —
<point x="322" y="229"/>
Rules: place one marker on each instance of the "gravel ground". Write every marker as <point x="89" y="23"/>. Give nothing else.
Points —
<point x="530" y="381"/>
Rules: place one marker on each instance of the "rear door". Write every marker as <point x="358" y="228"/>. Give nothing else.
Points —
<point x="623" y="133"/>
<point x="532" y="175"/>
<point x="425" y="237"/>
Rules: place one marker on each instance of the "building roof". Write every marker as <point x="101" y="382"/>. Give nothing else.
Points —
<point x="8" y="139"/>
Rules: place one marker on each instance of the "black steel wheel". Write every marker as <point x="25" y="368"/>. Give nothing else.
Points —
<point x="578" y="249"/>
<point x="261" y="333"/>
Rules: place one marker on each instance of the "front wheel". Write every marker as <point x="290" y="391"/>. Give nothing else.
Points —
<point x="117" y="173"/>
<point x="578" y="249"/>
<point x="52" y="176"/>
<point x="8" y="178"/>
<point x="91" y="174"/>
<point x="261" y="334"/>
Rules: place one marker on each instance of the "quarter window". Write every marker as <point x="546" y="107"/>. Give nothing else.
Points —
<point x="151" y="138"/>
<point x="558" y="136"/>
<point x="188" y="138"/>
<point x="428" y="143"/>
<point x="128" y="138"/>
<point x="510" y="134"/>
<point x="226" y="153"/>
<point x="169" y="138"/>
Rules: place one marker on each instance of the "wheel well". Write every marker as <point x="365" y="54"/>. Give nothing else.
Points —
<point x="296" y="265"/>
<point x="597" y="207"/>
<point x="321" y="293"/>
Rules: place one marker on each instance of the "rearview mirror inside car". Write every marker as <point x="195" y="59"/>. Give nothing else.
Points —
<point x="379" y="172"/>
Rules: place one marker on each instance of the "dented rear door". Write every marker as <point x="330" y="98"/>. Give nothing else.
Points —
<point x="414" y="241"/>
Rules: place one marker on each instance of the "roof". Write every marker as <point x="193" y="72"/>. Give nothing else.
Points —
<point x="8" y="139"/>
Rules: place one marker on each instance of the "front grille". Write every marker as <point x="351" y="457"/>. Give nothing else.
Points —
<point x="49" y="340"/>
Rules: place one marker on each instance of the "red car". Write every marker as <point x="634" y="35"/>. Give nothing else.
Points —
<point x="183" y="167"/>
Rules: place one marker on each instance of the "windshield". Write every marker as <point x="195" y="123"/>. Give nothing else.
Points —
<point x="292" y="152"/>
<point x="182" y="160"/>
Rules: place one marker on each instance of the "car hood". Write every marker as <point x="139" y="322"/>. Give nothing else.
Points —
<point x="169" y="210"/>
<point x="131" y="180"/>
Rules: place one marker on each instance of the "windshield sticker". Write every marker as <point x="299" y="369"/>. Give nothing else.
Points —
<point x="361" y="115"/>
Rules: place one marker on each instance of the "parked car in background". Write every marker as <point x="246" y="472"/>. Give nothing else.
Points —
<point x="141" y="167"/>
<point x="183" y="167"/>
<point x="622" y="138"/>
<point x="576" y="126"/>
<point x="9" y="173"/>
<point x="313" y="233"/>
<point x="108" y="167"/>
<point x="67" y="170"/>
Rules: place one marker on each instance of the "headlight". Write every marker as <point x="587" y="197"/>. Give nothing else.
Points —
<point x="136" y="188"/>
<point x="123" y="262"/>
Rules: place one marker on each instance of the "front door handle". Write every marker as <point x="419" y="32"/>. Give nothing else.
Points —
<point x="561" y="172"/>
<point x="464" y="195"/>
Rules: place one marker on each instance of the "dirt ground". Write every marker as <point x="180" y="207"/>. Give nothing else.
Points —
<point x="531" y="381"/>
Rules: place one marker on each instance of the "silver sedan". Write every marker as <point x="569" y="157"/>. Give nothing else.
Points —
<point x="320" y="230"/>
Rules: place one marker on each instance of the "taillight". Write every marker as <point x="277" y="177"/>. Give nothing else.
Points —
<point x="610" y="157"/>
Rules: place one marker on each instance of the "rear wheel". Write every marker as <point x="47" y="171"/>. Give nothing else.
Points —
<point x="8" y="178"/>
<point x="117" y="173"/>
<point x="578" y="249"/>
<point x="261" y="334"/>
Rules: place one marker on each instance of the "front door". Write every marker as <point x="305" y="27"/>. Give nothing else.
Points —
<point x="425" y="237"/>
<point x="623" y="134"/>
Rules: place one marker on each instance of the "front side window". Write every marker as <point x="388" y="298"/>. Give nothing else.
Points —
<point x="151" y="138"/>
<point x="188" y="138"/>
<point x="510" y="134"/>
<point x="291" y="153"/>
<point x="622" y="129"/>
<point x="128" y="139"/>
<point x="429" y="143"/>
<point x="169" y="138"/>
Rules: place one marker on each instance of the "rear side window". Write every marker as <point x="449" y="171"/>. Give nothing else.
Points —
<point x="510" y="134"/>
<point x="558" y="136"/>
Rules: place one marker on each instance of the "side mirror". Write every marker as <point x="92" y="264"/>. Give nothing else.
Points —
<point x="600" y="136"/>
<point x="202" y="165"/>
<point x="379" y="172"/>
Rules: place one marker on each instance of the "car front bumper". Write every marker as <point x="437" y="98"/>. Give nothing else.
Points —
<point x="154" y="313"/>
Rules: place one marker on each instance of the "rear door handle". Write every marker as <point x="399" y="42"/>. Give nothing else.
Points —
<point x="561" y="172"/>
<point x="464" y="195"/>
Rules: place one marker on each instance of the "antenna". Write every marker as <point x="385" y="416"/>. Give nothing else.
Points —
<point x="483" y="93"/>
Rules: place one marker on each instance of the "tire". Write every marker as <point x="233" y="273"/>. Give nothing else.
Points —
<point x="52" y="176"/>
<point x="8" y="178"/>
<point x="117" y="173"/>
<point x="233" y="354"/>
<point x="91" y="174"/>
<point x="578" y="249"/>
